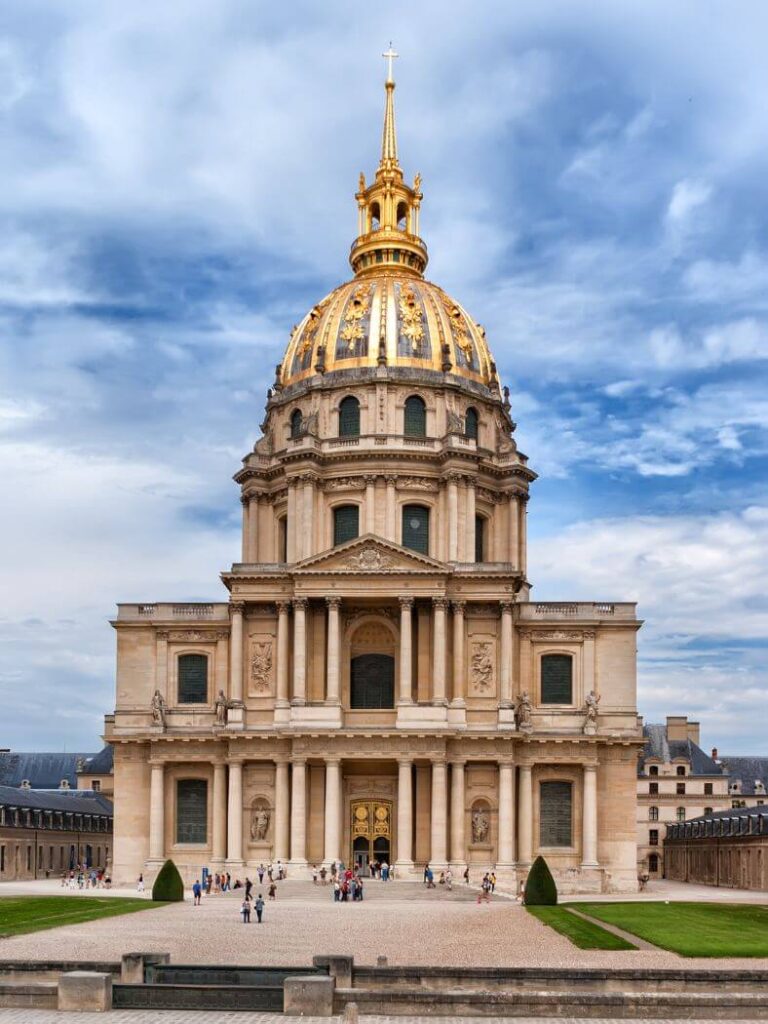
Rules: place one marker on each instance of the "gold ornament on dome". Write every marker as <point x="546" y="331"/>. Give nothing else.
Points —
<point x="356" y="311"/>
<point x="411" y="315"/>
<point x="459" y="330"/>
<point x="310" y="332"/>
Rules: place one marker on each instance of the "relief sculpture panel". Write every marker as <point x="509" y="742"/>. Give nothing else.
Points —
<point x="482" y="665"/>
<point x="261" y="670"/>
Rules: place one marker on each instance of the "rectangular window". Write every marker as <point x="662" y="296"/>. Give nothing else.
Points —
<point x="681" y="789"/>
<point x="191" y="811"/>
<point x="708" y="789"/>
<point x="556" y="679"/>
<point x="346" y="523"/>
<point x="193" y="679"/>
<point x="96" y="786"/>
<point x="556" y="814"/>
<point x="479" y="539"/>
<point x="653" y="788"/>
<point x="416" y="528"/>
<point x="653" y="837"/>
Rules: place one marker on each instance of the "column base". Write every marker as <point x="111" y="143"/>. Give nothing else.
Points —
<point x="457" y="713"/>
<point x="236" y="716"/>
<point x="507" y="719"/>
<point x="282" y="712"/>
<point x="404" y="866"/>
<point x="234" y="865"/>
<point x="419" y="715"/>
<point x="323" y="716"/>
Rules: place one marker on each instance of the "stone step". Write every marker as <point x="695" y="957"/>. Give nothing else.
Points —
<point x="41" y="995"/>
<point x="373" y="889"/>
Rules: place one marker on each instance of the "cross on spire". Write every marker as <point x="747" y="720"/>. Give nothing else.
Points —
<point x="389" y="56"/>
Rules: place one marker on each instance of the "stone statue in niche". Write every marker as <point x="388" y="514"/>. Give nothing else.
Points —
<point x="480" y="825"/>
<point x="158" y="709"/>
<point x="260" y="818"/>
<point x="482" y="666"/>
<point x="220" y="708"/>
<point x="591" y="709"/>
<point x="261" y="665"/>
<point x="523" y="712"/>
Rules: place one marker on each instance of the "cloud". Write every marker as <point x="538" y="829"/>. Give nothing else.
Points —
<point x="687" y="197"/>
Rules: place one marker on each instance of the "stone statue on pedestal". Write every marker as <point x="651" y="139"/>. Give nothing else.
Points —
<point x="158" y="709"/>
<point x="220" y="707"/>
<point x="523" y="712"/>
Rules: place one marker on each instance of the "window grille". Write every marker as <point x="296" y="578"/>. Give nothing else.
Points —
<point x="191" y="811"/>
<point x="415" y="419"/>
<point x="479" y="539"/>
<point x="556" y="679"/>
<point x="297" y="423"/>
<point x="349" y="417"/>
<point x="346" y="523"/>
<point x="470" y="424"/>
<point x="555" y="814"/>
<point x="193" y="679"/>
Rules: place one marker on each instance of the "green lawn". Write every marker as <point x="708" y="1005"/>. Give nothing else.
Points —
<point x="582" y="933"/>
<point x="20" y="914"/>
<point x="690" y="929"/>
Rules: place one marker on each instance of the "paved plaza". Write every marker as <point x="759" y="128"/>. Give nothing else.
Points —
<point x="402" y="921"/>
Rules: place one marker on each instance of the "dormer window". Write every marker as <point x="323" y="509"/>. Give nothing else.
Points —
<point x="64" y="784"/>
<point x="25" y="784"/>
<point x="681" y="769"/>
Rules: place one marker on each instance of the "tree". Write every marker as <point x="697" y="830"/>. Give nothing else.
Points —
<point x="540" y="888"/>
<point x="169" y="886"/>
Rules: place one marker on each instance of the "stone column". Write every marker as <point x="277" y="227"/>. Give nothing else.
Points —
<point x="469" y="553"/>
<point x="333" y="686"/>
<point x="439" y="605"/>
<point x="283" y="636"/>
<point x="453" y="518"/>
<point x="404" y="814"/>
<point x="513" y="515"/>
<point x="406" y="650"/>
<point x="458" y="844"/>
<point x="507" y="654"/>
<point x="290" y="523"/>
<point x="589" y="824"/>
<point x="391" y="511"/>
<point x="370" y="504"/>
<point x="235" y="814"/>
<point x="459" y="667"/>
<point x="299" y="651"/>
<point x="439" y="814"/>
<point x="157" y="812"/>
<point x="506" y="850"/>
<point x="332" y="810"/>
<point x="253" y="529"/>
<point x="299" y="813"/>
<point x="525" y="820"/>
<point x="219" y="845"/>
<point x="246" y="547"/>
<point x="523" y="507"/>
<point x="236" y="651"/>
<point x="282" y="811"/>
<point x="307" y="540"/>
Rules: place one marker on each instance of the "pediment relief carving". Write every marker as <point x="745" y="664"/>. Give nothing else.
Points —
<point x="369" y="554"/>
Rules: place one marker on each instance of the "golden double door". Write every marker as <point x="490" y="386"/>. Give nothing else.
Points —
<point x="371" y="832"/>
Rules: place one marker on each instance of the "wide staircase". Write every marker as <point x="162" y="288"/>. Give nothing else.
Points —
<point x="373" y="890"/>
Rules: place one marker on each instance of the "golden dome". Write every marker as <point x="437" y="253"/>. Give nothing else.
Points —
<point x="389" y="315"/>
<point x="388" y="320"/>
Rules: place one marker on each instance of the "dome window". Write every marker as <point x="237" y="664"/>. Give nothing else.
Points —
<point x="402" y="217"/>
<point x="415" y="418"/>
<point x="479" y="538"/>
<point x="470" y="424"/>
<point x="375" y="217"/>
<point x="297" y="423"/>
<point x="346" y="523"/>
<point x="349" y="417"/>
<point x="416" y="528"/>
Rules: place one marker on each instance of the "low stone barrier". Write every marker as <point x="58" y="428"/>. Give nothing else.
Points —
<point x="310" y="995"/>
<point x="85" y="990"/>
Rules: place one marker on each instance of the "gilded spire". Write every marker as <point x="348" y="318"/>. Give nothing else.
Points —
<point x="388" y="137"/>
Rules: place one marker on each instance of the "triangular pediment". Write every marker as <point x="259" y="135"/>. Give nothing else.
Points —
<point x="370" y="554"/>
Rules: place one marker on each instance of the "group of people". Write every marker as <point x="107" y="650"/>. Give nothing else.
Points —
<point x="83" y="877"/>
<point x="324" y="876"/>
<point x="222" y="883"/>
<point x="347" y="886"/>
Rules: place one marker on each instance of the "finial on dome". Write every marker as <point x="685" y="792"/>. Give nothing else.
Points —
<point x="388" y="137"/>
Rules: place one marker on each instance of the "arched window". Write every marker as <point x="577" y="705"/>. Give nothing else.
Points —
<point x="557" y="679"/>
<point x="297" y="423"/>
<point x="416" y="528"/>
<point x="470" y="424"/>
<point x="282" y="539"/>
<point x="653" y="863"/>
<point x="346" y="523"/>
<point x="556" y="814"/>
<point x="653" y="814"/>
<point x="681" y="769"/>
<point x="415" y="418"/>
<point x="349" y="417"/>
<point x="479" y="538"/>
<point x="193" y="679"/>
<point x="653" y="770"/>
<point x="191" y="811"/>
<point x="681" y="814"/>
<point x="375" y="217"/>
<point x="402" y="216"/>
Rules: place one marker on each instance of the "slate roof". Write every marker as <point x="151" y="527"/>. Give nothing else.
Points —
<point x="79" y="801"/>
<point x="747" y="770"/>
<point x="657" y="745"/>
<point x="43" y="771"/>
<point x="732" y="812"/>
<point x="101" y="763"/>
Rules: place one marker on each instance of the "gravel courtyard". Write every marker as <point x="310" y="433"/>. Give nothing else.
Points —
<point x="403" y="922"/>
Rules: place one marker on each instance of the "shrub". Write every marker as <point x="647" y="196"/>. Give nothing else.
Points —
<point x="540" y="888"/>
<point x="169" y="886"/>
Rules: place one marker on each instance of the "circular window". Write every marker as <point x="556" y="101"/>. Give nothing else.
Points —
<point x="415" y="524"/>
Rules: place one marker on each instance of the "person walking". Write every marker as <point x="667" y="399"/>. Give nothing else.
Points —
<point x="484" y="896"/>
<point x="245" y="911"/>
<point x="197" y="891"/>
<point x="258" y="906"/>
<point x="261" y="869"/>
<point x="272" y="891"/>
<point x="492" y="880"/>
<point x="140" y="884"/>
<point x="426" y="873"/>
<point x="384" y="871"/>
<point x="466" y="875"/>
<point x="448" y="879"/>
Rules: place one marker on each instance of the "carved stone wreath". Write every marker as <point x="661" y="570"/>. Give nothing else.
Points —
<point x="369" y="559"/>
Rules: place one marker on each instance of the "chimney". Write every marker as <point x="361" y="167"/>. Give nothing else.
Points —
<point x="714" y="753"/>
<point x="677" y="727"/>
<point x="694" y="732"/>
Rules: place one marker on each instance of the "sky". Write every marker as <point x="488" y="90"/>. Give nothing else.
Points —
<point x="176" y="190"/>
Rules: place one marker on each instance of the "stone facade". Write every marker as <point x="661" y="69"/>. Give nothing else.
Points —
<point x="379" y="683"/>
<point x="726" y="848"/>
<point x="676" y="781"/>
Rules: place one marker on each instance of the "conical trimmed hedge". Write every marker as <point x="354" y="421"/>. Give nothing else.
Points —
<point x="169" y="886"/>
<point x="540" y="888"/>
